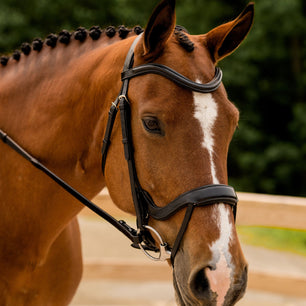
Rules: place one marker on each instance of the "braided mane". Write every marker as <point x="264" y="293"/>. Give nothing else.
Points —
<point x="81" y="34"/>
<point x="65" y="37"/>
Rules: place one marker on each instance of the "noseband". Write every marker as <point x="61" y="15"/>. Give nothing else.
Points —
<point x="143" y="202"/>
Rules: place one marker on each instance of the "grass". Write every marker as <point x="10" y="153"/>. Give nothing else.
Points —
<point x="274" y="238"/>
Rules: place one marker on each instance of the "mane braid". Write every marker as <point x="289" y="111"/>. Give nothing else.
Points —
<point x="138" y="30"/>
<point x="16" y="55"/>
<point x="80" y="34"/>
<point x="51" y="40"/>
<point x="26" y="48"/>
<point x="95" y="32"/>
<point x="4" y="60"/>
<point x="37" y="44"/>
<point x="123" y="31"/>
<point x="110" y="31"/>
<point x="65" y="36"/>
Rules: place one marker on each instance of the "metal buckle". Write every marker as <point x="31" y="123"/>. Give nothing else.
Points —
<point x="164" y="253"/>
<point x="123" y="97"/>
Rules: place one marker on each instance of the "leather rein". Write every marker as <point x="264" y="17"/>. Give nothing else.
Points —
<point x="144" y="205"/>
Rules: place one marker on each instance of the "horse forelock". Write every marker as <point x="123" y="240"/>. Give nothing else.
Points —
<point x="183" y="39"/>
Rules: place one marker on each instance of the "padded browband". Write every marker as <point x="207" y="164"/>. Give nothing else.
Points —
<point x="205" y="195"/>
<point x="174" y="76"/>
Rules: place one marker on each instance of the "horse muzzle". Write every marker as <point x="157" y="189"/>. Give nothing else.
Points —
<point x="207" y="285"/>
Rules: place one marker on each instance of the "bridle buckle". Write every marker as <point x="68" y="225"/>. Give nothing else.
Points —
<point x="122" y="97"/>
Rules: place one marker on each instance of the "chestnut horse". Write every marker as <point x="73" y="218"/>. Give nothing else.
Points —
<point x="54" y="101"/>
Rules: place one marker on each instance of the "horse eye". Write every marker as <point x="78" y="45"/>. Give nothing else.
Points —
<point x="151" y="124"/>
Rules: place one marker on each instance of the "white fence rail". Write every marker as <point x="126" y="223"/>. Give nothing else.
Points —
<point x="254" y="209"/>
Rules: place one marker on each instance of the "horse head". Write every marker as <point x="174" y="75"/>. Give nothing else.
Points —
<point x="180" y="142"/>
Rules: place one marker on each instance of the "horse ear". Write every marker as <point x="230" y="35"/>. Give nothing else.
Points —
<point x="159" y="28"/>
<point x="223" y="40"/>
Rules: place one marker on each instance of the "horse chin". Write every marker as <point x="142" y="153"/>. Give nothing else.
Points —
<point x="182" y="296"/>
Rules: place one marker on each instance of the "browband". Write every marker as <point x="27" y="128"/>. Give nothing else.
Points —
<point x="174" y="76"/>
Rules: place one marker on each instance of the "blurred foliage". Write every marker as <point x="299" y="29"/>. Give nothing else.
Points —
<point x="265" y="77"/>
<point x="274" y="238"/>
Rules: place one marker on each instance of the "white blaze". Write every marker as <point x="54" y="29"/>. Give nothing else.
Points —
<point x="206" y="112"/>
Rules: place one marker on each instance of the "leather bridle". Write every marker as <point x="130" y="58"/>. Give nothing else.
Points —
<point x="143" y="203"/>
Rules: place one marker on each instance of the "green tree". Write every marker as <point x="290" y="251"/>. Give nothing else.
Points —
<point x="266" y="78"/>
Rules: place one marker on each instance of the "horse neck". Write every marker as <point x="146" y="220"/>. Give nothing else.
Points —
<point x="55" y="104"/>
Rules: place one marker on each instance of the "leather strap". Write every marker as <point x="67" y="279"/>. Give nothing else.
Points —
<point x="128" y="63"/>
<point x="181" y="232"/>
<point x="136" y="190"/>
<point x="109" y="127"/>
<point x="205" y="195"/>
<point x="129" y="60"/>
<point x="174" y="76"/>
<point x="120" y="225"/>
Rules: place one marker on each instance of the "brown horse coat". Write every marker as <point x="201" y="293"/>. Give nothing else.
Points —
<point x="55" y="101"/>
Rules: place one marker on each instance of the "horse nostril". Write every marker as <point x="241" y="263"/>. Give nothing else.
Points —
<point x="199" y="285"/>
